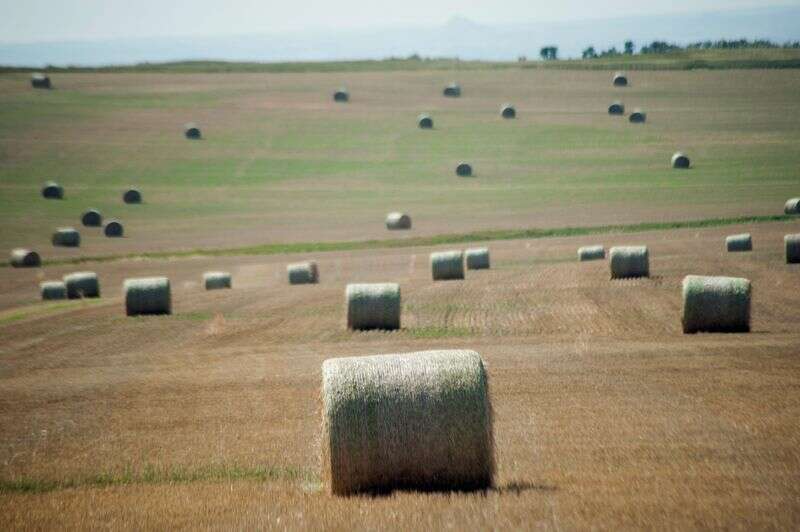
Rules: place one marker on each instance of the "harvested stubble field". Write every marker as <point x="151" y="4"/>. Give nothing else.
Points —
<point x="607" y="416"/>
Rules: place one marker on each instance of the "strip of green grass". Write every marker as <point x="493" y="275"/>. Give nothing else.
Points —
<point x="477" y="236"/>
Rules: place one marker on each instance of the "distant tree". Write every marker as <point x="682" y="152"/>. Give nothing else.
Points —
<point x="522" y="59"/>
<point x="414" y="57"/>
<point x="549" y="53"/>
<point x="628" y="47"/>
<point x="589" y="53"/>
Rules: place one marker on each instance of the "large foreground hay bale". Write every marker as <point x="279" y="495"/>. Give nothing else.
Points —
<point x="477" y="258"/>
<point x="341" y="95"/>
<point x="92" y="218"/>
<point x="303" y="272"/>
<point x="25" y="258"/>
<point x="743" y="242"/>
<point x="216" y="280"/>
<point x="52" y="290"/>
<point x="792" y="245"/>
<point x="629" y="261"/>
<point x="587" y="253"/>
<point x="716" y="304"/>
<point x="508" y="111"/>
<point x="406" y="421"/>
<point x="452" y="91"/>
<point x="52" y="190"/>
<point x="680" y="161"/>
<point x="82" y="285"/>
<point x="620" y="79"/>
<point x="637" y="117"/>
<point x="66" y="237"/>
<point x="616" y="108"/>
<point x="40" y="81"/>
<point x="147" y="295"/>
<point x="425" y="121"/>
<point x="373" y="306"/>
<point x="398" y="221"/>
<point x="792" y="206"/>
<point x="464" y="170"/>
<point x="132" y="196"/>
<point x="447" y="265"/>
<point x="192" y="131"/>
<point x="114" y="229"/>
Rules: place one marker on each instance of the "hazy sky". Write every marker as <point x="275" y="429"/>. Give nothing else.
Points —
<point x="49" y="20"/>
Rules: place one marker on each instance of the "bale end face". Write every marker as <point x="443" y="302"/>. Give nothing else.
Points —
<point x="638" y="117"/>
<point x="303" y="272"/>
<point x="447" y="265"/>
<point x="792" y="245"/>
<point x="147" y="295"/>
<point x="52" y="190"/>
<point x="452" y="91"/>
<point x="588" y="253"/>
<point x="373" y="306"/>
<point x="620" y="80"/>
<point x="508" y="111"/>
<point x="616" y="108"/>
<point x="629" y="262"/>
<point x="398" y="221"/>
<point x="92" y="218"/>
<point x="113" y="229"/>
<point x="341" y="96"/>
<point x="416" y="421"/>
<point x="792" y="206"/>
<point x="464" y="170"/>
<point x="715" y="304"/>
<point x="66" y="237"/>
<point x="82" y="285"/>
<point x="216" y="280"/>
<point x="425" y="122"/>
<point x="25" y="258"/>
<point x="132" y="196"/>
<point x="53" y="290"/>
<point x="192" y="132"/>
<point x="680" y="161"/>
<point x="736" y="243"/>
<point x="40" y="81"/>
<point x="477" y="258"/>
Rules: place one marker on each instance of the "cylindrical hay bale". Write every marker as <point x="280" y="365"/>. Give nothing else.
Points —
<point x="52" y="290"/>
<point x="303" y="272"/>
<point x="508" y="111"/>
<point x="25" y="258"/>
<point x="52" y="190"/>
<point x="638" y="117"/>
<point x="40" y="81"/>
<point x="132" y="196"/>
<point x="616" y="108"/>
<point x="743" y="242"/>
<point x="792" y="244"/>
<point x="217" y="280"/>
<point x="92" y="218"/>
<point x="341" y="95"/>
<point x="82" y="284"/>
<point x="587" y="253"/>
<point x="464" y="170"/>
<point x="66" y="237"/>
<point x="620" y="79"/>
<point x="398" y="221"/>
<point x="147" y="295"/>
<point x="425" y="121"/>
<point x="477" y="258"/>
<point x="407" y="421"/>
<point x="447" y="265"/>
<point x="629" y="261"/>
<point x="680" y="161"/>
<point x="113" y="229"/>
<point x="792" y="206"/>
<point x="716" y="304"/>
<point x="373" y="306"/>
<point x="453" y="90"/>
<point x="192" y="131"/>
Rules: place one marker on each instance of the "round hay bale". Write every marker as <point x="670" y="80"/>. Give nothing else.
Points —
<point x="114" y="229"/>
<point x="680" y="161"/>
<point x="341" y="95"/>
<point x="192" y="131"/>
<point x="52" y="190"/>
<point x="447" y="265"/>
<point x="792" y="245"/>
<point x="66" y="237"/>
<point x="464" y="170"/>
<point x="792" y="206"/>
<point x="303" y="272"/>
<point x="25" y="258"/>
<point x="620" y="79"/>
<point x="147" y="295"/>
<point x="82" y="285"/>
<point x="407" y="421"/>
<point x="587" y="253"/>
<point x="132" y="196"/>
<point x="508" y="111"/>
<point x="373" y="306"/>
<point x="743" y="242"/>
<point x="92" y="218"/>
<point x="716" y="304"/>
<point x="398" y="221"/>
<point x="477" y="258"/>
<point x="40" y="81"/>
<point x="217" y="280"/>
<point x="629" y="261"/>
<point x="452" y="91"/>
<point x="52" y="290"/>
<point x="637" y="117"/>
<point x="425" y="121"/>
<point x="616" y="108"/>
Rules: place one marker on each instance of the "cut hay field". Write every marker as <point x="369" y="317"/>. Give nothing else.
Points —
<point x="606" y="415"/>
